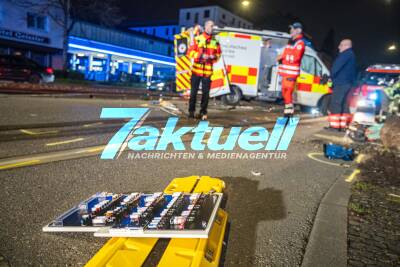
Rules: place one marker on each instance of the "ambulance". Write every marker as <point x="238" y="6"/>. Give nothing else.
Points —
<point x="248" y="68"/>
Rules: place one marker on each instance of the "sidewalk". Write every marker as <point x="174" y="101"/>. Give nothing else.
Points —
<point x="327" y="245"/>
<point x="62" y="88"/>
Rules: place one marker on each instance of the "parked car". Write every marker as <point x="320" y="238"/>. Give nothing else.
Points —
<point x="162" y="85"/>
<point x="18" y="68"/>
<point x="370" y="85"/>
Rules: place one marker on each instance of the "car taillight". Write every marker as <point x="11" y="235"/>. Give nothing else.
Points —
<point x="49" y="70"/>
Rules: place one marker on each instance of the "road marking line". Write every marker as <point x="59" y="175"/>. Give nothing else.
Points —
<point x="360" y="158"/>
<point x="96" y="149"/>
<point x="353" y="175"/>
<point x="92" y="124"/>
<point x="49" y="157"/>
<point x="37" y="133"/>
<point x="20" y="164"/>
<point x="65" y="142"/>
<point x="313" y="154"/>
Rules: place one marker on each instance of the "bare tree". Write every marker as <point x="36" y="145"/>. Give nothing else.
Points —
<point x="66" y="13"/>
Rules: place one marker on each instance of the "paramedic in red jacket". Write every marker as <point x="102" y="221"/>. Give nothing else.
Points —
<point x="289" y="68"/>
<point x="205" y="51"/>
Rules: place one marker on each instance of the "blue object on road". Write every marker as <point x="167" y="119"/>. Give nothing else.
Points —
<point x="332" y="151"/>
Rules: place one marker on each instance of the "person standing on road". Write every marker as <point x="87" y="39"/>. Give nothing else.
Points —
<point x="205" y="51"/>
<point x="289" y="68"/>
<point x="343" y="75"/>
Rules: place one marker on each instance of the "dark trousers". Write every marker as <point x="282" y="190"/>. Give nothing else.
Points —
<point x="338" y="104"/>
<point x="205" y="87"/>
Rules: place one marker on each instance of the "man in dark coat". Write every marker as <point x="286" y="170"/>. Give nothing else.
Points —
<point x="343" y="75"/>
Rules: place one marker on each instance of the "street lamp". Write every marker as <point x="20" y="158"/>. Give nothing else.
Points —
<point x="245" y="3"/>
<point x="392" y="47"/>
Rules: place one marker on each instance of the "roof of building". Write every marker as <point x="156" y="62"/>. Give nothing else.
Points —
<point x="127" y="31"/>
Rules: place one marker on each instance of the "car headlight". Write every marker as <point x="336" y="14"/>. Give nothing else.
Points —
<point x="361" y="103"/>
<point x="373" y="96"/>
<point x="160" y="84"/>
<point x="148" y="83"/>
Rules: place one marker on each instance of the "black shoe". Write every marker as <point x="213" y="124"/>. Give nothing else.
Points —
<point x="191" y="115"/>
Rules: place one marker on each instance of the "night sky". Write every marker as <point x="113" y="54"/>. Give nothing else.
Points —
<point x="373" y="25"/>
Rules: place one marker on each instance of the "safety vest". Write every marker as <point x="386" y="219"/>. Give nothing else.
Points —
<point x="291" y="58"/>
<point x="204" y="44"/>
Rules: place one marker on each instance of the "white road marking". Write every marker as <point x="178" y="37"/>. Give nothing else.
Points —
<point x="37" y="133"/>
<point x="65" y="142"/>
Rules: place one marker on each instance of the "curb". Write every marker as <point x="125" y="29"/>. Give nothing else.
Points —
<point x="327" y="244"/>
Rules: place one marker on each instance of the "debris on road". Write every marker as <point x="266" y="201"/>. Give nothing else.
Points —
<point x="169" y="108"/>
<point x="333" y="151"/>
<point x="256" y="173"/>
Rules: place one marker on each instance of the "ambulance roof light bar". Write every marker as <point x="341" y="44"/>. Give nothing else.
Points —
<point x="264" y="33"/>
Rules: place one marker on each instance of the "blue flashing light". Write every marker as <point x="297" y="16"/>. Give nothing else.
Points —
<point x="98" y="47"/>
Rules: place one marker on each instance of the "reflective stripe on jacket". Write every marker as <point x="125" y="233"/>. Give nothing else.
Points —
<point x="204" y="44"/>
<point x="291" y="58"/>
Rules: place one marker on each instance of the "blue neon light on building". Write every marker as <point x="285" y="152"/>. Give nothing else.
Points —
<point x="93" y="46"/>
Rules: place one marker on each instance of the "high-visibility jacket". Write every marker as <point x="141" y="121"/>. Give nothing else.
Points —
<point x="291" y="58"/>
<point x="204" y="44"/>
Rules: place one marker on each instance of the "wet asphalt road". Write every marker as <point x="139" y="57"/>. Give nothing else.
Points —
<point x="270" y="214"/>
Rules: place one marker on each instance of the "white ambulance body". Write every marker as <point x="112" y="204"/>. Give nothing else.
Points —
<point x="251" y="69"/>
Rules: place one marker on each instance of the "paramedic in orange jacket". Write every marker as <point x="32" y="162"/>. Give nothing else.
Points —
<point x="290" y="62"/>
<point x="205" y="51"/>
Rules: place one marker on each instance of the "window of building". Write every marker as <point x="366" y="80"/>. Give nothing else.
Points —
<point x="188" y="16"/>
<point x="35" y="21"/>
<point x="196" y="18"/>
<point x="173" y="31"/>
<point x="167" y="31"/>
<point x="206" y="13"/>
<point x="223" y="16"/>
<point x="240" y="24"/>
<point x="154" y="31"/>
<point x="233" y="21"/>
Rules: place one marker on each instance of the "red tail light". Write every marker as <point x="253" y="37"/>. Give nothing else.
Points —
<point x="49" y="71"/>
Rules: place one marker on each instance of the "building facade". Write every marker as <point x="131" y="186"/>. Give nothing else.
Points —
<point x="30" y="33"/>
<point x="163" y="31"/>
<point x="106" y="54"/>
<point x="221" y="17"/>
<point x="195" y="15"/>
